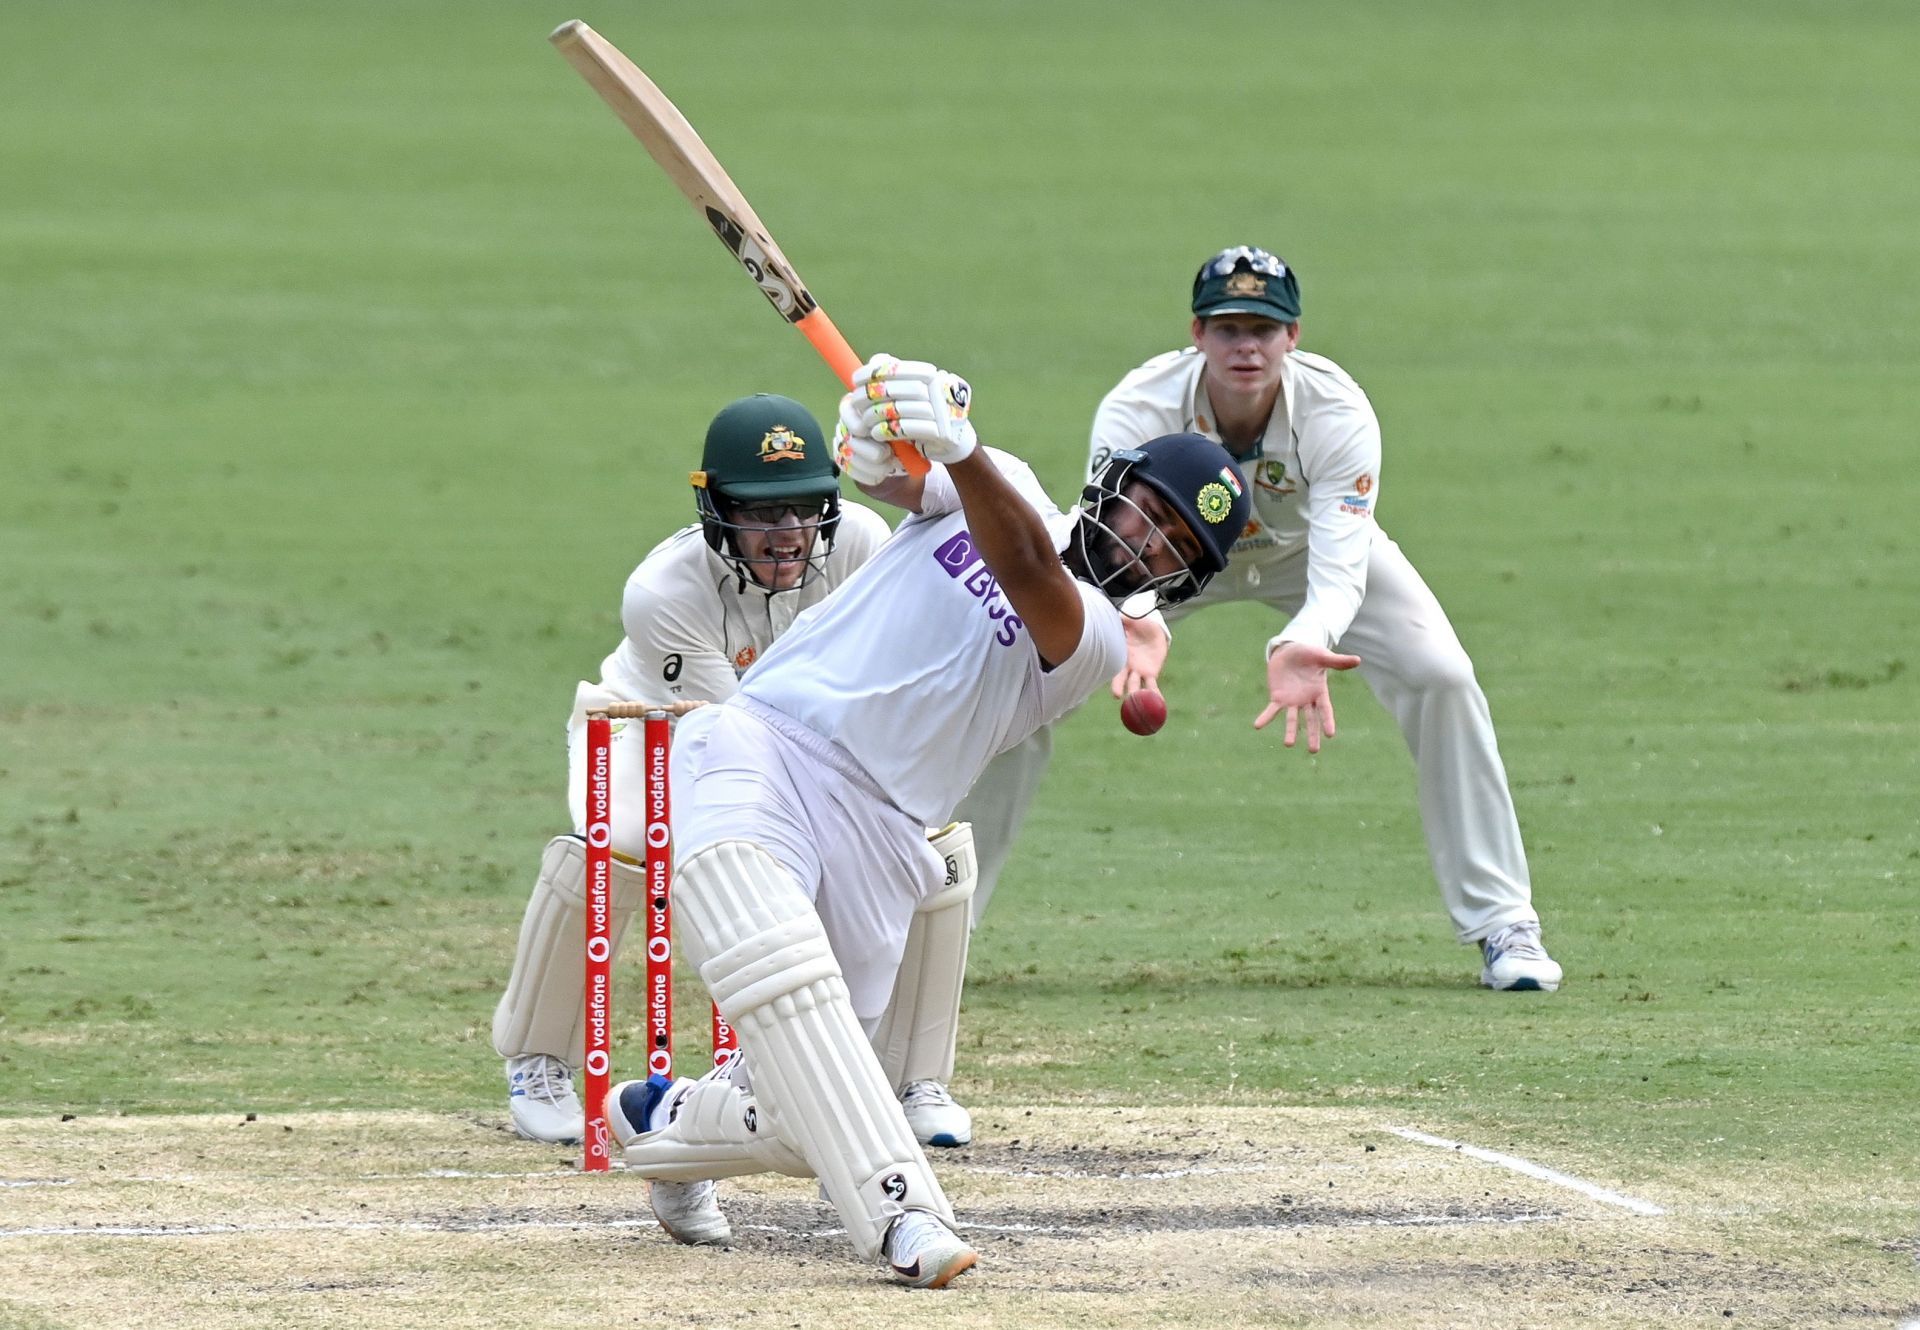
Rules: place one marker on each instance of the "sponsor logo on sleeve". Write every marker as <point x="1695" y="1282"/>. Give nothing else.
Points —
<point x="1359" y="503"/>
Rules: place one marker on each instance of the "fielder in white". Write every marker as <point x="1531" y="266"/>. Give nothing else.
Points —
<point x="801" y="802"/>
<point x="1308" y="440"/>
<point x="772" y="540"/>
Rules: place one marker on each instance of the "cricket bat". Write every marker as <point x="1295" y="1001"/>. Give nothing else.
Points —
<point x="672" y="142"/>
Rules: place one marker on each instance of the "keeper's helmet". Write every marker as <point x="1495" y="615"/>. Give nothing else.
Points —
<point x="1195" y="478"/>
<point x="765" y="459"/>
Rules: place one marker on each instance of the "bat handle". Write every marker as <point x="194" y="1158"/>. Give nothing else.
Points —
<point x="843" y="360"/>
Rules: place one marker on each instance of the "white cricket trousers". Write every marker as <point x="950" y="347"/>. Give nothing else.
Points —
<point x="742" y="771"/>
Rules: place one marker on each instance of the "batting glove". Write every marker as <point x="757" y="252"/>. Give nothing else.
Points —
<point x="919" y="403"/>
<point x="857" y="452"/>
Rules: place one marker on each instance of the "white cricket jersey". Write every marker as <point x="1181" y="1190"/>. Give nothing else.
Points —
<point x="693" y="628"/>
<point x="919" y="668"/>
<point x="1315" y="474"/>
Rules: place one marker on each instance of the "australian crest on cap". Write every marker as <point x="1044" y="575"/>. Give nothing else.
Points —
<point x="1246" y="284"/>
<point x="782" y="444"/>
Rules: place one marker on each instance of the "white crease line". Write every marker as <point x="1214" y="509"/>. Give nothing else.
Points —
<point x="489" y="1225"/>
<point x="316" y="1226"/>
<point x="428" y="1174"/>
<point x="1402" y="1221"/>
<point x="1072" y="1174"/>
<point x="1067" y="1174"/>
<point x="1533" y="1170"/>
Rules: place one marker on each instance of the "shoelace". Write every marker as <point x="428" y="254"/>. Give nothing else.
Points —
<point x="1521" y="940"/>
<point x="925" y="1092"/>
<point x="548" y="1080"/>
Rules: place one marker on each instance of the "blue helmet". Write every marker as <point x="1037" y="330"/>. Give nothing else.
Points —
<point x="1198" y="480"/>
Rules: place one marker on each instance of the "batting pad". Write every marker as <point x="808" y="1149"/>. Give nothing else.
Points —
<point x="544" y="1007"/>
<point x="718" y="1130"/>
<point x="921" y="1024"/>
<point x="766" y="960"/>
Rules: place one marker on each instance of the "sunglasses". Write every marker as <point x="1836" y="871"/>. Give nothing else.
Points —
<point x="770" y="514"/>
<point x="1256" y="260"/>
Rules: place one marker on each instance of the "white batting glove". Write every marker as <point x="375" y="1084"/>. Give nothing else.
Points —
<point x="920" y="403"/>
<point x="857" y="452"/>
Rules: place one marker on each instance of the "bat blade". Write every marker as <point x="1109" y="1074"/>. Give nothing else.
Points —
<point x="672" y="143"/>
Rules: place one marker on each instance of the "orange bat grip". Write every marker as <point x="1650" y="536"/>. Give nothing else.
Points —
<point x="843" y="360"/>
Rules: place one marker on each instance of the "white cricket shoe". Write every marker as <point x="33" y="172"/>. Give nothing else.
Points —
<point x="541" y="1100"/>
<point x="934" y="1117"/>
<point x="1516" y="961"/>
<point x="690" y="1212"/>
<point x="924" y="1252"/>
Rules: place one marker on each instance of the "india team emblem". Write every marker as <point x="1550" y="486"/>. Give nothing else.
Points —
<point x="782" y="444"/>
<point x="1214" y="501"/>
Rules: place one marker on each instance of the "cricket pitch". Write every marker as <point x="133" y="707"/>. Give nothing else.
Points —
<point x="1092" y="1216"/>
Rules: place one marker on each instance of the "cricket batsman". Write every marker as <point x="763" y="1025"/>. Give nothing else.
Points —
<point x="801" y="802"/>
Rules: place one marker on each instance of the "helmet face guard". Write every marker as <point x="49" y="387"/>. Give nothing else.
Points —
<point x="1119" y="567"/>
<point x="1193" y="477"/>
<point x="723" y="520"/>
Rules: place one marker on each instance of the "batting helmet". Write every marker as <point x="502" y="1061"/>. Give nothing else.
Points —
<point x="1195" y="477"/>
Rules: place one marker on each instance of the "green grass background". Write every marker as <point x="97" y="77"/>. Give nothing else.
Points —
<point x="351" y="354"/>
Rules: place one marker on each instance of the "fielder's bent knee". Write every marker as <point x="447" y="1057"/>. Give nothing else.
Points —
<point x="1443" y="672"/>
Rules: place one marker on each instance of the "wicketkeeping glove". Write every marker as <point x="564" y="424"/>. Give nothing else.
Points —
<point x="918" y="402"/>
<point x="858" y="453"/>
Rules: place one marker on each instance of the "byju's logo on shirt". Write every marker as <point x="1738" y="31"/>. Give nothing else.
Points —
<point x="959" y="561"/>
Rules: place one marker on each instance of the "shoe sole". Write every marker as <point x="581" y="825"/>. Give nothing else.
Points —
<point x="963" y="1261"/>
<point x="946" y="1140"/>
<point x="1519" y="986"/>
<point x="719" y="1239"/>
<point x="546" y="1140"/>
<point x="526" y="1135"/>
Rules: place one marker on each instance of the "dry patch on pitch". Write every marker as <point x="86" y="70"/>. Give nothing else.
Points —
<point x="1090" y="1216"/>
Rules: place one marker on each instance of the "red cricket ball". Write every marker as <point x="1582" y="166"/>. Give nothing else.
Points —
<point x="1144" y="711"/>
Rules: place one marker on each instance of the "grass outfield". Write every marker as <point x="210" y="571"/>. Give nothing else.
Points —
<point x="351" y="355"/>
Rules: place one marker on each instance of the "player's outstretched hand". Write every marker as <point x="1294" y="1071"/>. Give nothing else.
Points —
<point x="858" y="453"/>
<point x="1297" y="682"/>
<point x="1146" y="657"/>
<point x="919" y="403"/>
